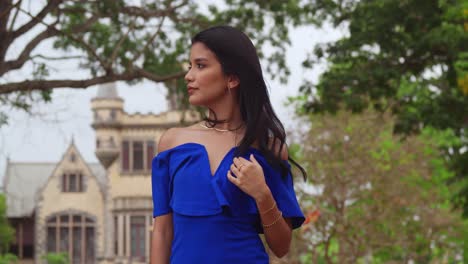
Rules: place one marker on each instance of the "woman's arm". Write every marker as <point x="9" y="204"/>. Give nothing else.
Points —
<point x="277" y="229"/>
<point x="161" y="239"/>
<point x="250" y="179"/>
<point x="162" y="234"/>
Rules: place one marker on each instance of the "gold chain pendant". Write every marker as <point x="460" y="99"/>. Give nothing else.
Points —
<point x="219" y="129"/>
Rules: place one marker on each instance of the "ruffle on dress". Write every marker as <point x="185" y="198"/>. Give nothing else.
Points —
<point x="182" y="182"/>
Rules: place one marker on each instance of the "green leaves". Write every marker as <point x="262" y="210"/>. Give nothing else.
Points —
<point x="407" y="56"/>
<point x="57" y="258"/>
<point x="40" y="71"/>
<point x="112" y="40"/>
<point x="8" y="259"/>
<point x="7" y="233"/>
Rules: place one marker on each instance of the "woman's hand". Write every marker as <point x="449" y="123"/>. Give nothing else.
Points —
<point x="248" y="177"/>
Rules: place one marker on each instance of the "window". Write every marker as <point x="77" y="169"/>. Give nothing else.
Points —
<point x="124" y="236"/>
<point x="125" y="156"/>
<point x="72" y="182"/>
<point x="77" y="249"/>
<point x="113" y="114"/>
<point x="51" y="239"/>
<point x="151" y="151"/>
<point x="137" y="155"/>
<point x="89" y="245"/>
<point x="73" y="187"/>
<point x="80" y="182"/>
<point x="64" y="239"/>
<point x="72" y="235"/>
<point x="136" y="243"/>
<point x="116" y="232"/>
<point x="137" y="234"/>
<point x="73" y="157"/>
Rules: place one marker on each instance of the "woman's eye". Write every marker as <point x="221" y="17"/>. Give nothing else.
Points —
<point x="199" y="66"/>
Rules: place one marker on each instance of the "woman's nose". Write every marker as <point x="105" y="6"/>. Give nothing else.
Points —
<point x="188" y="76"/>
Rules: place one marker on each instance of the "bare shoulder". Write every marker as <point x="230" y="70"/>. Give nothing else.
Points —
<point x="174" y="136"/>
<point x="167" y="139"/>
<point x="283" y="150"/>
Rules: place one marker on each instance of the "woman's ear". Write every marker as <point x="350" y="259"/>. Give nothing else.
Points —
<point x="232" y="81"/>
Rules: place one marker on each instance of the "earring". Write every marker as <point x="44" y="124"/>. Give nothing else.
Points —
<point x="229" y="91"/>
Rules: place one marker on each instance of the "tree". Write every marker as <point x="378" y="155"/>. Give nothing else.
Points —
<point x="407" y="56"/>
<point x="380" y="199"/>
<point x="124" y="41"/>
<point x="7" y="233"/>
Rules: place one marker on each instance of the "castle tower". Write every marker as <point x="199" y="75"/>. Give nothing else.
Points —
<point x="108" y="114"/>
<point x="125" y="145"/>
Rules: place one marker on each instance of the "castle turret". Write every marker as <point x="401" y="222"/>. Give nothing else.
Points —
<point x="108" y="113"/>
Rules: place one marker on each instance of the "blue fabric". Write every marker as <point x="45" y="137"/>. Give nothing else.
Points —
<point x="214" y="221"/>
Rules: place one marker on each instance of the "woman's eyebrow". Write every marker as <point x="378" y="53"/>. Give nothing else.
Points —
<point x="200" y="59"/>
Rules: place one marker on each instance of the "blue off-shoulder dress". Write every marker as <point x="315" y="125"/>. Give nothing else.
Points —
<point x="214" y="221"/>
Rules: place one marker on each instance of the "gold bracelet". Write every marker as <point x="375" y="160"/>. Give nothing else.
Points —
<point x="273" y="207"/>
<point x="274" y="222"/>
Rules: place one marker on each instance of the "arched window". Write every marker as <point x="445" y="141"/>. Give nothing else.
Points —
<point x="74" y="234"/>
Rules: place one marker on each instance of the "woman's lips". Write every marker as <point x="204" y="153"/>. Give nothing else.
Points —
<point x="190" y="89"/>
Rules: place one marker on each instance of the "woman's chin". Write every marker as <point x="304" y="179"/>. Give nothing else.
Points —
<point x="195" y="101"/>
<point x="204" y="101"/>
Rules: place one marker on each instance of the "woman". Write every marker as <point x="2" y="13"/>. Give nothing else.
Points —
<point x="219" y="183"/>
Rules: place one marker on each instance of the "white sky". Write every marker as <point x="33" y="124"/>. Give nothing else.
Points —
<point x="44" y="136"/>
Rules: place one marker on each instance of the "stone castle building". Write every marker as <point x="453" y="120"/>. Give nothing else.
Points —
<point x="95" y="212"/>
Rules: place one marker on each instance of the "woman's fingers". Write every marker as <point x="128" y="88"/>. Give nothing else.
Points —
<point x="244" y="161"/>
<point x="232" y="179"/>
<point x="247" y="175"/>
<point x="238" y="162"/>
<point x="254" y="160"/>
<point x="235" y="170"/>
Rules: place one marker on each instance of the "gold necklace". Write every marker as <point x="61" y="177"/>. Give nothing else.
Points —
<point x="221" y="130"/>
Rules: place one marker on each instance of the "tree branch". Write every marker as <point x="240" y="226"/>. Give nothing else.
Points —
<point x="5" y="9"/>
<point x="51" y="4"/>
<point x="40" y="85"/>
<point x="92" y="51"/>
<point x="145" y="13"/>
<point x="24" y="56"/>
<point x="118" y="45"/>
<point x="150" y="40"/>
<point x="83" y="27"/>
<point x="155" y="78"/>
<point x="13" y="20"/>
<point x="57" y="58"/>
<point x="188" y="20"/>
<point x="139" y="12"/>
<point x="49" y="32"/>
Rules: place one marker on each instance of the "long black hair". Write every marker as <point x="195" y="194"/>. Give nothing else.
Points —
<point x="238" y="56"/>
